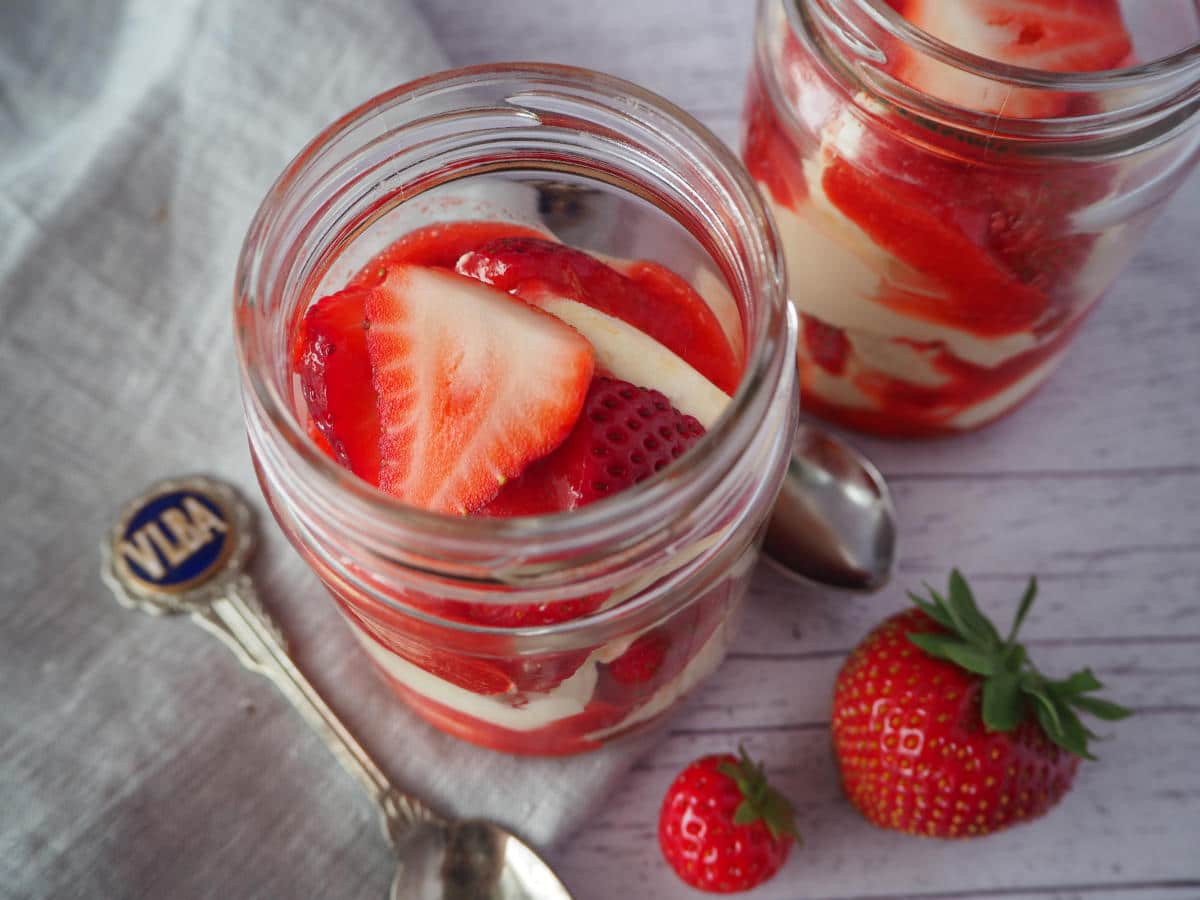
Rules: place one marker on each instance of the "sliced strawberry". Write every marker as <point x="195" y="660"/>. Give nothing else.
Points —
<point x="657" y="302"/>
<point x="1020" y="212"/>
<point x="506" y="615"/>
<point x="658" y="656"/>
<point x="650" y="662"/>
<point x="1023" y="215"/>
<point x="921" y="228"/>
<point x="1049" y="35"/>
<point x="643" y="660"/>
<point x="827" y="345"/>
<point x="542" y="672"/>
<point x="529" y="615"/>
<point x="335" y="376"/>
<point x="473" y="386"/>
<point x="439" y="245"/>
<point x="624" y="435"/>
<point x="1029" y="227"/>
<point x="536" y="673"/>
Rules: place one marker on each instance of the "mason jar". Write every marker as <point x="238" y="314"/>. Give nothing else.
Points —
<point x="607" y="168"/>
<point x="949" y="220"/>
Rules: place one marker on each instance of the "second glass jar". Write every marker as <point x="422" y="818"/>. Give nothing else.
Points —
<point x="941" y="252"/>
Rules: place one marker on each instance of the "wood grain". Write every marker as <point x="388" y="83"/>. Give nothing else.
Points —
<point x="1094" y="485"/>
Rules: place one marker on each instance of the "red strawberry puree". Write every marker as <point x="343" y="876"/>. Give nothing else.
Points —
<point x="938" y="283"/>
<point x="410" y="375"/>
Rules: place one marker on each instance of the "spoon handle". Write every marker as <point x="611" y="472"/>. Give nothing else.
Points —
<point x="240" y="620"/>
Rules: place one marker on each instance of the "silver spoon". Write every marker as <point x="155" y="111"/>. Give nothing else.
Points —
<point x="181" y="548"/>
<point x="834" y="522"/>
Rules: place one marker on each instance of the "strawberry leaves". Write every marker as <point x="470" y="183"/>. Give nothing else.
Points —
<point x="1011" y="683"/>
<point x="760" y="801"/>
<point x="1001" y="701"/>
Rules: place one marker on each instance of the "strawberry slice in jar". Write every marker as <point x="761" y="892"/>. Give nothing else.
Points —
<point x="474" y="370"/>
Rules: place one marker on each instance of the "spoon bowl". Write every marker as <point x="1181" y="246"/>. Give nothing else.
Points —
<point x="834" y="522"/>
<point x="471" y="860"/>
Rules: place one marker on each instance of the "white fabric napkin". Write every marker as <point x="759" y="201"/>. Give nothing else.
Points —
<point x="137" y="758"/>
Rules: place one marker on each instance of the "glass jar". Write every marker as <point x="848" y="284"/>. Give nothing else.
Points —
<point x="664" y="565"/>
<point x="944" y="244"/>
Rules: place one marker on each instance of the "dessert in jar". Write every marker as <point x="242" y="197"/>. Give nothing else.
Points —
<point x="957" y="183"/>
<point x="517" y="369"/>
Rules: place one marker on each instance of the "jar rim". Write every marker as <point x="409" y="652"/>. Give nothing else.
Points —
<point x="1169" y="66"/>
<point x="1141" y="99"/>
<point x="558" y="531"/>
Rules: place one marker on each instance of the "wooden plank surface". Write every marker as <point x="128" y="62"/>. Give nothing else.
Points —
<point x="1094" y="485"/>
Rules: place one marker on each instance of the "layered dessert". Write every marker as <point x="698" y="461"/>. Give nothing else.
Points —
<point x="485" y="369"/>
<point x="939" y="273"/>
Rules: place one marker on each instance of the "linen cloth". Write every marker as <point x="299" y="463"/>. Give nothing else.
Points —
<point x="137" y="757"/>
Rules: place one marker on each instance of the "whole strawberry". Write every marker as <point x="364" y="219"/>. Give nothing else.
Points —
<point x="943" y="728"/>
<point x="723" y="828"/>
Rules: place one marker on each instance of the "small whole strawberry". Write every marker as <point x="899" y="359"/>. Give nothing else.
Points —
<point x="941" y="727"/>
<point x="723" y="828"/>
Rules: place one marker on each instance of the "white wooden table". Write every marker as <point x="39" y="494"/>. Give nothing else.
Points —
<point x="1094" y="486"/>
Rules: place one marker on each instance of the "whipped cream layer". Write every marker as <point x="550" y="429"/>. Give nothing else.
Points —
<point x="537" y="710"/>
<point x="570" y="698"/>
